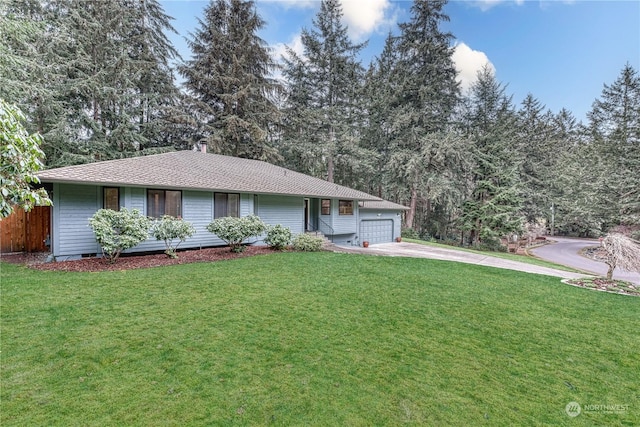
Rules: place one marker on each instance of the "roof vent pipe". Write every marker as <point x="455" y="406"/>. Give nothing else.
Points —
<point x="203" y="147"/>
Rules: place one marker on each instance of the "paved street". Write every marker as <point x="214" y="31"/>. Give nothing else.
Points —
<point x="566" y="251"/>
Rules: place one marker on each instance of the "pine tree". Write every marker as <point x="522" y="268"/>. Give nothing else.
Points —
<point x="425" y="101"/>
<point x="559" y="178"/>
<point x="495" y="206"/>
<point x="119" y="76"/>
<point x="323" y="128"/>
<point x="96" y="76"/>
<point x="229" y="81"/>
<point x="614" y="124"/>
<point x="536" y="149"/>
<point x="32" y="68"/>
<point x="379" y="98"/>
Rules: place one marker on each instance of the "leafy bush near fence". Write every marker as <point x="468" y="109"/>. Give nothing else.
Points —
<point x="117" y="231"/>
<point x="278" y="236"/>
<point x="172" y="231"/>
<point x="307" y="243"/>
<point x="236" y="230"/>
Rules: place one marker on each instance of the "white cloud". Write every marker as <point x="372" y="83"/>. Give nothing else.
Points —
<point x="361" y="16"/>
<point x="280" y="49"/>
<point x="468" y="62"/>
<point x="302" y="4"/>
<point x="365" y="16"/>
<point x="485" y="5"/>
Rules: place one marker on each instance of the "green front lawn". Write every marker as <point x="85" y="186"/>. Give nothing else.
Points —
<point x="314" y="339"/>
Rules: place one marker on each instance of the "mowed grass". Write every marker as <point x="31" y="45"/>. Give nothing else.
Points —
<point x="314" y="339"/>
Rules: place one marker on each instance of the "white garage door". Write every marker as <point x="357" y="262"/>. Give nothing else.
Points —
<point x="376" y="231"/>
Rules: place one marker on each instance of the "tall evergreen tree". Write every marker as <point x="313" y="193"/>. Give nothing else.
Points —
<point x="98" y="76"/>
<point x="379" y="99"/>
<point x="495" y="206"/>
<point x="229" y="81"/>
<point x="425" y="100"/>
<point x="558" y="176"/>
<point x="614" y="124"/>
<point x="119" y="75"/>
<point x="535" y="145"/>
<point x="32" y="67"/>
<point x="323" y="128"/>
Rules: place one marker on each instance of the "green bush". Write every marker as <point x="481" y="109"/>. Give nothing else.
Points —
<point x="491" y="245"/>
<point x="172" y="231"/>
<point x="278" y="237"/>
<point x="410" y="233"/>
<point x="117" y="231"/>
<point x="307" y="243"/>
<point x="235" y="230"/>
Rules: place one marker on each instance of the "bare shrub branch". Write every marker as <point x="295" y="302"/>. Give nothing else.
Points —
<point x="622" y="252"/>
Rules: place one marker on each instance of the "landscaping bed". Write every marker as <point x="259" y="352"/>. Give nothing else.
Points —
<point x="130" y="262"/>
<point x="605" y="285"/>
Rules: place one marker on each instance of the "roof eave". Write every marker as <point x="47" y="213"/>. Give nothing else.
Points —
<point x="229" y="190"/>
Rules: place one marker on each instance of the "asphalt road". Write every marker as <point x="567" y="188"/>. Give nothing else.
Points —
<point x="566" y="251"/>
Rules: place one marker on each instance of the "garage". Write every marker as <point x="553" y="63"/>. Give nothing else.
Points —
<point x="376" y="231"/>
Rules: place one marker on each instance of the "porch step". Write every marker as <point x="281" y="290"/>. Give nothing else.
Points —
<point x="326" y="244"/>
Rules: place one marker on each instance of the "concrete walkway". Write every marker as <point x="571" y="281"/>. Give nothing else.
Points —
<point x="415" y="250"/>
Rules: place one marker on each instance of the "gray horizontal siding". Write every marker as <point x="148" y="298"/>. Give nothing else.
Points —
<point x="137" y="199"/>
<point x="344" y="224"/>
<point x="75" y="204"/>
<point x="197" y="208"/>
<point x="285" y="210"/>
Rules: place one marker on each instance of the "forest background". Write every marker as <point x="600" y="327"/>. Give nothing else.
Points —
<point x="98" y="80"/>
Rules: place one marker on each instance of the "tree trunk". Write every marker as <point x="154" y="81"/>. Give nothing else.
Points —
<point x="411" y="213"/>
<point x="330" y="168"/>
<point x="610" y="271"/>
<point x="476" y="234"/>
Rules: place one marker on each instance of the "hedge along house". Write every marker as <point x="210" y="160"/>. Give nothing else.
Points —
<point x="200" y="187"/>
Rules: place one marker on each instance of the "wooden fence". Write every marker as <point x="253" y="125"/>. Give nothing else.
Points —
<point x="26" y="231"/>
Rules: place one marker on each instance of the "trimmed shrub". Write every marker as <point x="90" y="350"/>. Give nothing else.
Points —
<point x="307" y="243"/>
<point x="235" y="230"/>
<point x="173" y="231"/>
<point x="278" y="237"/>
<point x="491" y="245"/>
<point x="409" y="233"/>
<point x="117" y="231"/>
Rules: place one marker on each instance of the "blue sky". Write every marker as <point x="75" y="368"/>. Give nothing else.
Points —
<point x="562" y="52"/>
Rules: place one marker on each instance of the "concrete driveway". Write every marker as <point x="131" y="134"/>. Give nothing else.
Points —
<point x="415" y="250"/>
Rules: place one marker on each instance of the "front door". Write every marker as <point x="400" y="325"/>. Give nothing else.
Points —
<point x="307" y="225"/>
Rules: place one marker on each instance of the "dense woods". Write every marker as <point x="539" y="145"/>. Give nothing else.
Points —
<point x="97" y="80"/>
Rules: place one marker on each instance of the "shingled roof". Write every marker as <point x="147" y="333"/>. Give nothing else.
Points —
<point x="193" y="170"/>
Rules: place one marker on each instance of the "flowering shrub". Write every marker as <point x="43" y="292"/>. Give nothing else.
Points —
<point x="278" y="237"/>
<point x="235" y="230"/>
<point x="170" y="229"/>
<point x="117" y="231"/>
<point x="307" y="243"/>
